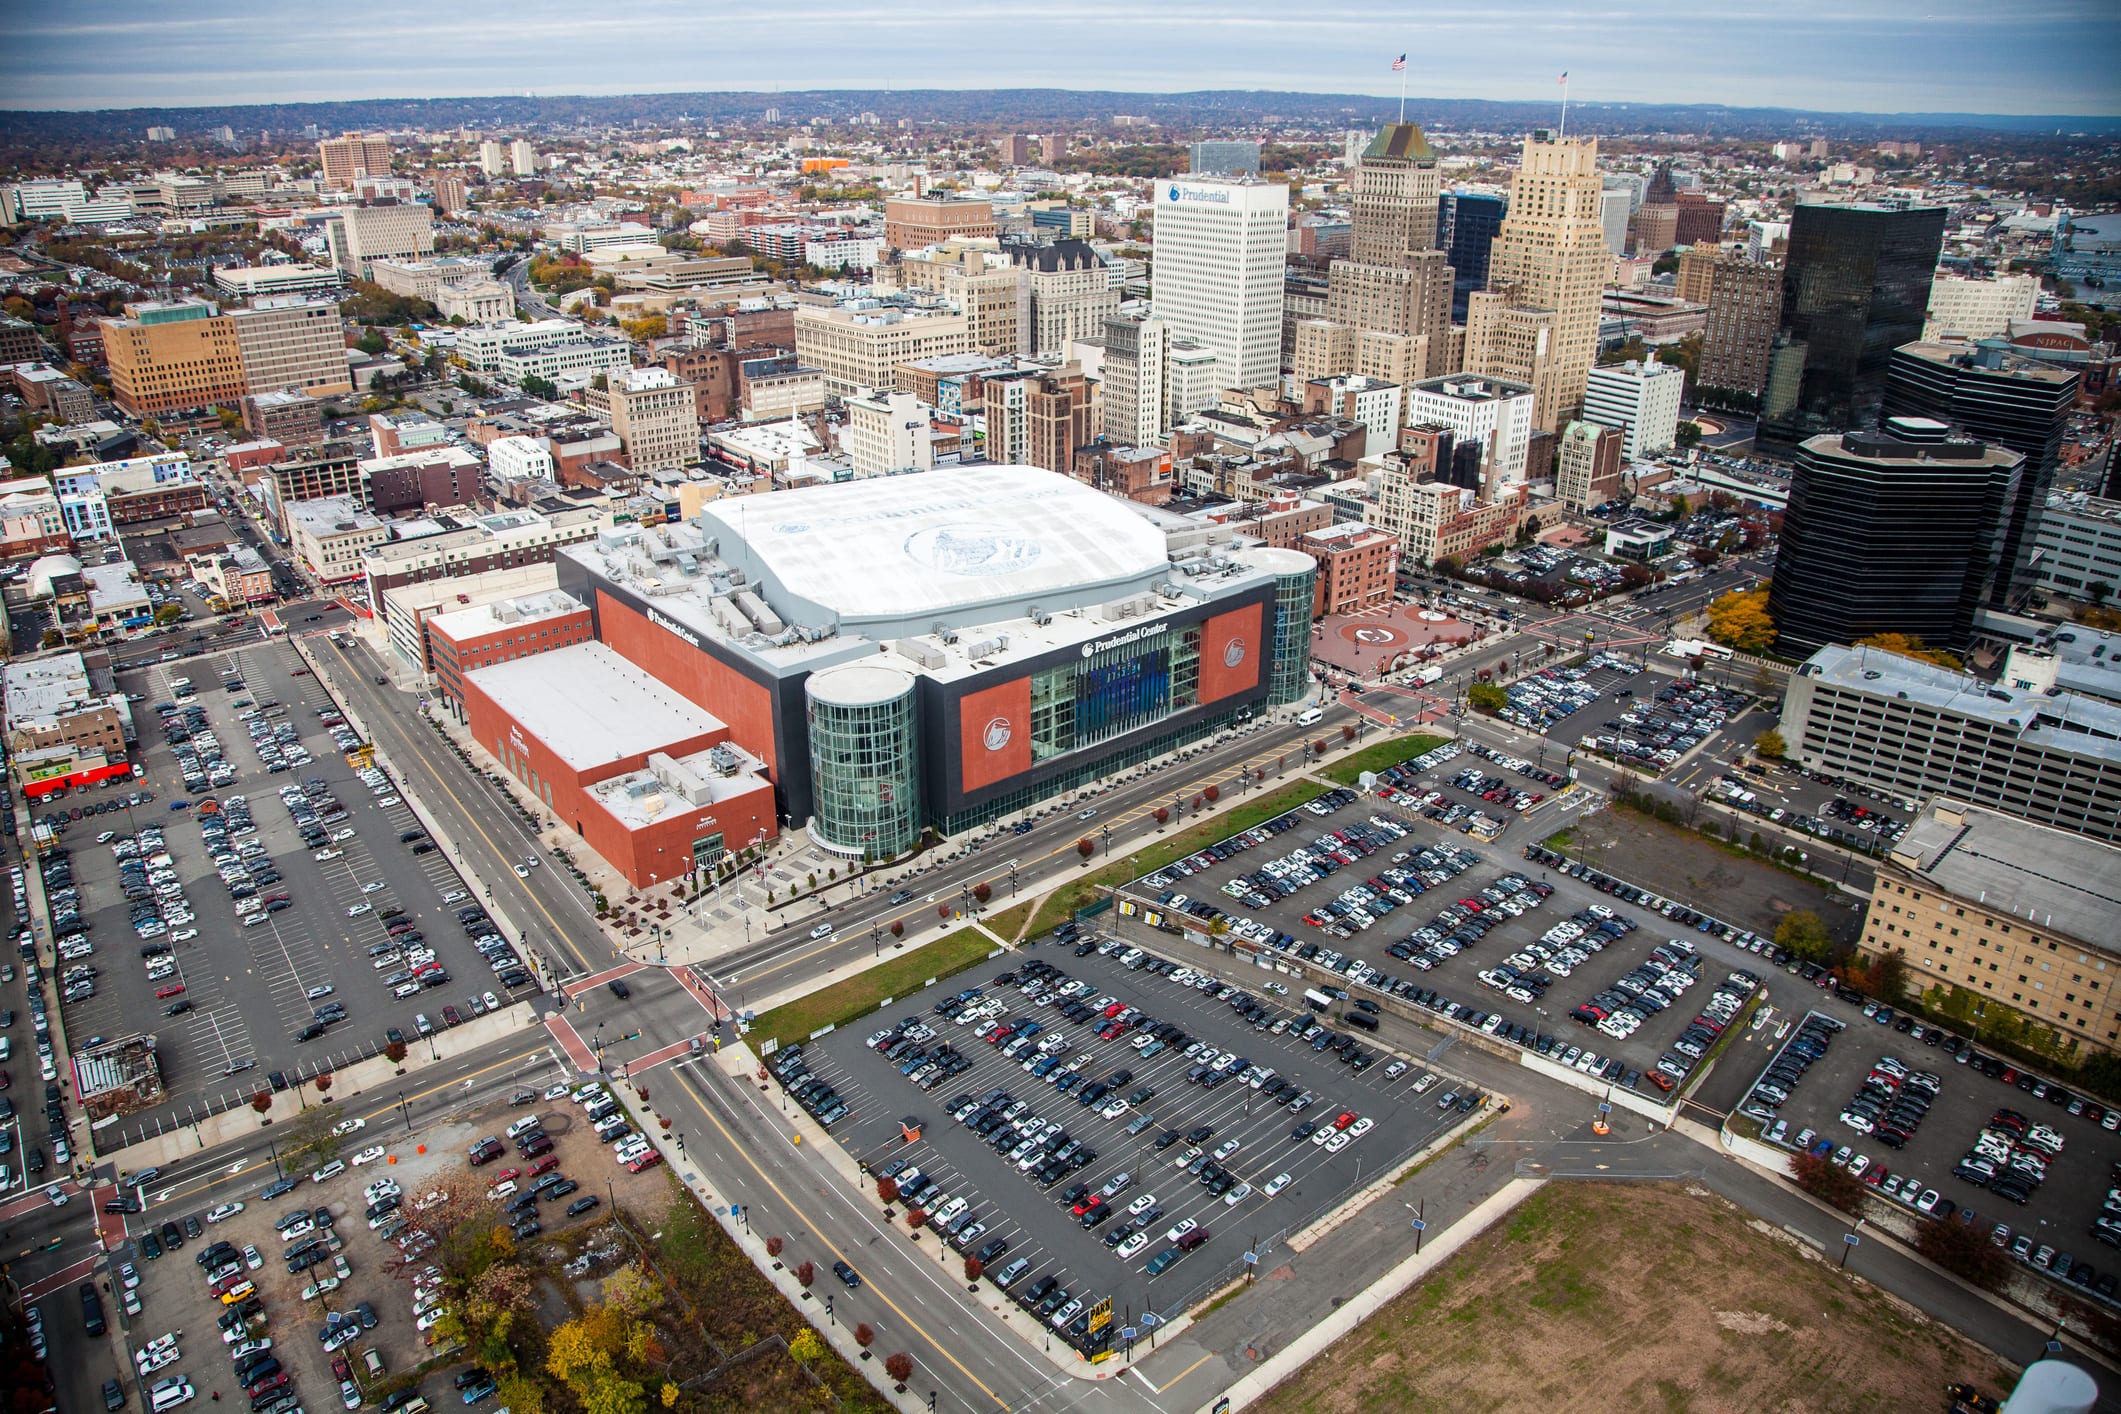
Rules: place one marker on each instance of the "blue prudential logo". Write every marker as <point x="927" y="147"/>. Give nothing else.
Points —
<point x="1174" y="193"/>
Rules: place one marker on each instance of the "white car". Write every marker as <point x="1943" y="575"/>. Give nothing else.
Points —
<point x="184" y="935"/>
<point x="330" y="1170"/>
<point x="1133" y="1245"/>
<point x="251" y="1347"/>
<point x="224" y="1212"/>
<point x="348" y="1126"/>
<point x="1361" y="1127"/>
<point x="1141" y="1205"/>
<point x="521" y="872"/>
<point x="370" y="888"/>
<point x="1275" y="1185"/>
<point x="323" y="854"/>
<point x="301" y="1229"/>
<point x="427" y="1319"/>
<point x="358" y="909"/>
<point x="252" y="1257"/>
<point x="1337" y="1140"/>
<point x="347" y="834"/>
<point x="370" y="1154"/>
<point x="1237" y="1195"/>
<point x="1180" y="1230"/>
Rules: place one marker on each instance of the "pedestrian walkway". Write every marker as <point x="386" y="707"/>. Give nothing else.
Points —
<point x="571" y="1042"/>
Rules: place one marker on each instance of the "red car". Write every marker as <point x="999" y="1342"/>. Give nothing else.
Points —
<point x="163" y="994"/>
<point x="647" y="1160"/>
<point x="1344" y="1119"/>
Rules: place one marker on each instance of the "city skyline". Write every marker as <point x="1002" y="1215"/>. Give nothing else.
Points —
<point x="2054" y="58"/>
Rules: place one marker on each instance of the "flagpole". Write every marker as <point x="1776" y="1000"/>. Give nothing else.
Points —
<point x="1564" y="106"/>
<point x="1402" y="92"/>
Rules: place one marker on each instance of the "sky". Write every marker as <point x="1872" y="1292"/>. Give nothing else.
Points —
<point x="1874" y="56"/>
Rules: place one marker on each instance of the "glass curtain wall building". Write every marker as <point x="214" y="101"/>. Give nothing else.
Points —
<point x="864" y="759"/>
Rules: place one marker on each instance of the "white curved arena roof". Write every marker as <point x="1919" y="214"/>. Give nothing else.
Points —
<point x="939" y="542"/>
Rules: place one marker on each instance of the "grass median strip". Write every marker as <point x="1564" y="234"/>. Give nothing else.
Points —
<point x="1061" y="904"/>
<point x="1381" y="756"/>
<point x="859" y="995"/>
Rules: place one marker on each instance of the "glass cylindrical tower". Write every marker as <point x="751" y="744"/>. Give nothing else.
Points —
<point x="1295" y="578"/>
<point x="864" y="760"/>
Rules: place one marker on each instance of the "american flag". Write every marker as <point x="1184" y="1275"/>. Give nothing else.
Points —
<point x="1399" y="64"/>
<point x="1564" y="79"/>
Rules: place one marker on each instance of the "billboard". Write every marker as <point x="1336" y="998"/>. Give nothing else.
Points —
<point x="994" y="733"/>
<point x="1232" y="647"/>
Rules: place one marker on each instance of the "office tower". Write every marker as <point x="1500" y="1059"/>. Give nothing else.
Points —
<point x="452" y="194"/>
<point x="1039" y="416"/>
<point x="171" y="356"/>
<point x="1134" y="394"/>
<point x="493" y="160"/>
<point x="1015" y="150"/>
<point x="1485" y="413"/>
<point x="1766" y="240"/>
<point x="353" y="155"/>
<point x="359" y="236"/>
<point x="1466" y="224"/>
<point x="1587" y="465"/>
<point x="1655" y="224"/>
<point x="1549" y="255"/>
<point x="1978" y="308"/>
<point x="1217" y="278"/>
<point x="292" y="342"/>
<point x="656" y="418"/>
<point x="912" y="223"/>
<point x="1855" y="286"/>
<point x="1696" y="278"/>
<point x="1068" y="294"/>
<point x="1212" y="158"/>
<point x="1613" y="216"/>
<point x="1745" y="310"/>
<point x="2001" y="398"/>
<point x="1889" y="532"/>
<point x="1641" y="399"/>
<point x="1396" y="280"/>
<point x="1700" y="220"/>
<point x="523" y="157"/>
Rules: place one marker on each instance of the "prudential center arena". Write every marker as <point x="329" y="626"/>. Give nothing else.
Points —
<point x="865" y="659"/>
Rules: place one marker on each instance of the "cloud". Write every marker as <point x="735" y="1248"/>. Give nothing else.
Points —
<point x="1850" y="55"/>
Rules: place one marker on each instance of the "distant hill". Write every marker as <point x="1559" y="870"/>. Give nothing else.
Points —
<point x="1026" y="109"/>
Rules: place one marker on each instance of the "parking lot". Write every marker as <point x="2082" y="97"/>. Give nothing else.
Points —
<point x="994" y="1161"/>
<point x="356" y="1237"/>
<point x="1513" y="946"/>
<point x="2061" y="1207"/>
<point x="251" y="927"/>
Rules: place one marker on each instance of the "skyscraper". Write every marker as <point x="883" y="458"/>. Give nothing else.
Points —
<point x="1134" y="393"/>
<point x="1466" y="223"/>
<point x="1396" y="281"/>
<point x="1641" y="399"/>
<point x="2003" y="398"/>
<point x="1891" y="532"/>
<point x="353" y="155"/>
<point x="1855" y="286"/>
<point x="1549" y="255"/>
<point x="493" y="160"/>
<point x="1217" y="277"/>
<point x="523" y="156"/>
<point x="1745" y="310"/>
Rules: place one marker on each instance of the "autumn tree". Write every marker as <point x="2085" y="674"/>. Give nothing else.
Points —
<point x="887" y="1189"/>
<point x="1964" y="1250"/>
<point x="898" y="928"/>
<point x="1770" y="746"/>
<point x="1086" y="847"/>
<point x="1163" y="816"/>
<point x="394" y="1052"/>
<point x="1908" y="645"/>
<point x="1487" y="697"/>
<point x="774" y="1244"/>
<point x="981" y="892"/>
<point x="1803" y="934"/>
<point x="1739" y="620"/>
<point x="308" y="1141"/>
<point x="262" y="1101"/>
<point x="899" y="1365"/>
<point x="973" y="1267"/>
<point x="865" y="1335"/>
<point x="805" y="1273"/>
<point x="1829" y="1184"/>
<point x="1213" y="793"/>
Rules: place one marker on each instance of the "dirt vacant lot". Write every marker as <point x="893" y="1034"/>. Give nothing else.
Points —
<point x="1601" y="1297"/>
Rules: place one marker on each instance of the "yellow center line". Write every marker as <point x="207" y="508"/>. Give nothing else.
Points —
<point x="1185" y="1372"/>
<point x="736" y="1148"/>
<point x="535" y="901"/>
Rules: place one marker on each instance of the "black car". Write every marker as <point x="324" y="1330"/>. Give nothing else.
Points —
<point x="582" y="1205"/>
<point x="847" y="1274"/>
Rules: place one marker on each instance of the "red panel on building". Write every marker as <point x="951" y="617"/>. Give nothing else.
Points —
<point x="994" y="733"/>
<point x="1231" y="647"/>
<point x="704" y="680"/>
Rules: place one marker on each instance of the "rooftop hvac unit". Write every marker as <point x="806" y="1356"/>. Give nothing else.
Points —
<point x="725" y="761"/>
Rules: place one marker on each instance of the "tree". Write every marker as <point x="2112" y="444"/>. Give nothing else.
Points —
<point x="916" y="1218"/>
<point x="1740" y="620"/>
<point x="309" y="1142"/>
<point x="1830" y="1185"/>
<point x="322" y="1082"/>
<point x="806" y="1273"/>
<point x="982" y="891"/>
<point x="1910" y="646"/>
<point x="262" y="1101"/>
<point x="899" y="1365"/>
<point x="1803" y="934"/>
<point x="1687" y="436"/>
<point x="864" y="1335"/>
<point x="1770" y="746"/>
<point x="898" y="928"/>
<point x="1086" y="847"/>
<point x="1963" y="1250"/>
<point x="1487" y="697"/>
<point x="1213" y="793"/>
<point x="394" y="1052"/>
<point x="1704" y="555"/>
<point x="1163" y="816"/>
<point x="887" y="1189"/>
<point x="806" y="1347"/>
<point x="973" y="1267"/>
<point x="1347" y="733"/>
<point x="774" y="1244"/>
<point x="942" y="910"/>
<point x="168" y="614"/>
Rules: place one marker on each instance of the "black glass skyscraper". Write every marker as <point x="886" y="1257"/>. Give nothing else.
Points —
<point x="1855" y="286"/>
<point x="1890" y="532"/>
<point x="1466" y="225"/>
<point x="1988" y="392"/>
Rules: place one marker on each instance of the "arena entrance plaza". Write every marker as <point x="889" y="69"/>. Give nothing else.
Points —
<point x="1377" y="641"/>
